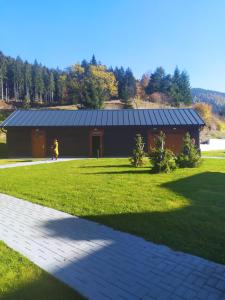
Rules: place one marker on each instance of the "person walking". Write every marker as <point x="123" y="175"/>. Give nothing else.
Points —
<point x="55" y="149"/>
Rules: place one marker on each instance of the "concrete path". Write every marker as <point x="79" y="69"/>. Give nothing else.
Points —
<point x="31" y="163"/>
<point x="102" y="263"/>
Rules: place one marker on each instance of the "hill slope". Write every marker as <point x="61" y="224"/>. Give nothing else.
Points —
<point x="214" y="98"/>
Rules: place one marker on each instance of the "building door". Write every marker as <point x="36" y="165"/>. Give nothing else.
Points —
<point x="38" y="139"/>
<point x="96" y="143"/>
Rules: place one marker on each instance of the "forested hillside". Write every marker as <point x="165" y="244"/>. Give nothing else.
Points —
<point x="88" y="84"/>
<point x="215" y="99"/>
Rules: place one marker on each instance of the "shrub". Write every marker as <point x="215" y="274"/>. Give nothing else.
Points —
<point x="190" y="156"/>
<point x="162" y="159"/>
<point x="205" y="111"/>
<point x="137" y="160"/>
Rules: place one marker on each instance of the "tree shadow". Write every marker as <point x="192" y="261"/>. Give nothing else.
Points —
<point x="105" y="166"/>
<point x="45" y="287"/>
<point x="132" y="171"/>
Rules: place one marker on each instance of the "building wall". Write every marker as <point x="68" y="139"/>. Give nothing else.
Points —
<point x="19" y="142"/>
<point x="117" y="141"/>
<point x="72" y="141"/>
<point x="174" y="137"/>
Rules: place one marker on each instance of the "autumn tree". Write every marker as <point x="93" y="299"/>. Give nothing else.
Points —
<point x="205" y="111"/>
<point x="91" y="85"/>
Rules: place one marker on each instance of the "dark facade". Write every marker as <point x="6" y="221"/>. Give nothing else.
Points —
<point x="25" y="140"/>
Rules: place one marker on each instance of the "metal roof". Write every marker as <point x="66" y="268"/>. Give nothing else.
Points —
<point x="122" y="117"/>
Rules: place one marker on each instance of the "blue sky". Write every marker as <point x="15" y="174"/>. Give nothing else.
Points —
<point x="141" y="34"/>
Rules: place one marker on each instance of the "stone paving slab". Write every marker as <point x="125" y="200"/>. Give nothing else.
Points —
<point x="31" y="163"/>
<point x="102" y="263"/>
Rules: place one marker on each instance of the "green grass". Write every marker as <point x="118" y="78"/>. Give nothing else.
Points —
<point x="184" y="210"/>
<point x="22" y="280"/>
<point x="219" y="153"/>
<point x="13" y="161"/>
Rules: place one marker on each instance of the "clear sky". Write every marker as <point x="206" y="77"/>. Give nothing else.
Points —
<point x="141" y="34"/>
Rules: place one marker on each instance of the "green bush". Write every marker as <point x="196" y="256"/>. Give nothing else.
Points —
<point x="137" y="160"/>
<point x="190" y="155"/>
<point x="162" y="160"/>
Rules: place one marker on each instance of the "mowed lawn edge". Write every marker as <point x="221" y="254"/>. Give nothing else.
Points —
<point x="214" y="153"/>
<point x="22" y="280"/>
<point x="184" y="210"/>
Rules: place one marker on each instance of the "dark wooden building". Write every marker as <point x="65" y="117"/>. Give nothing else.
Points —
<point x="84" y="133"/>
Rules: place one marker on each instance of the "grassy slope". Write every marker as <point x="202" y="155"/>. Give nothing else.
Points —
<point x="22" y="280"/>
<point x="219" y="153"/>
<point x="184" y="210"/>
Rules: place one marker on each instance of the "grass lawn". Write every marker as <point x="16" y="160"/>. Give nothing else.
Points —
<point x="184" y="210"/>
<point x="219" y="153"/>
<point x="22" y="280"/>
<point x="13" y="161"/>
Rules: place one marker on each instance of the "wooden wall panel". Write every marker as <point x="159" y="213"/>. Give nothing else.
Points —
<point x="116" y="141"/>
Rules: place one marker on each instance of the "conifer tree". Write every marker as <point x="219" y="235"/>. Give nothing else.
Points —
<point x="180" y="90"/>
<point x="156" y="81"/>
<point x="162" y="160"/>
<point x="190" y="155"/>
<point x="137" y="159"/>
<point x="93" y="61"/>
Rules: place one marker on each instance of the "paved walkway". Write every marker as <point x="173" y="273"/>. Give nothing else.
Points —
<point x="31" y="163"/>
<point x="102" y="263"/>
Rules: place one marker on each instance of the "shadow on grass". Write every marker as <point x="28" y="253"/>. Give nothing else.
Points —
<point x="196" y="228"/>
<point x="45" y="287"/>
<point x="132" y="171"/>
<point x="105" y="166"/>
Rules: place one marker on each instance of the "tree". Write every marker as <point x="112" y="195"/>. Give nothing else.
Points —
<point x="190" y="155"/>
<point x="38" y="84"/>
<point x="51" y="86"/>
<point x="145" y="79"/>
<point x="129" y="85"/>
<point x="180" y="90"/>
<point x="162" y="159"/>
<point x="93" y="61"/>
<point x="3" y="70"/>
<point x="101" y="87"/>
<point x="156" y="81"/>
<point x="119" y="74"/>
<point x="126" y="83"/>
<point x="137" y="159"/>
<point x="205" y="111"/>
<point x="27" y="82"/>
<point x="91" y="85"/>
